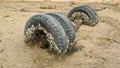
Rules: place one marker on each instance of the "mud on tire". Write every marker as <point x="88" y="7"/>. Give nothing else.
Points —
<point x="85" y="10"/>
<point x="58" y="39"/>
<point x="67" y="25"/>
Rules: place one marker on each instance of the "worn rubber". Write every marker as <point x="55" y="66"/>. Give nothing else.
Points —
<point x="93" y="11"/>
<point x="52" y="26"/>
<point x="67" y="25"/>
<point x="87" y="10"/>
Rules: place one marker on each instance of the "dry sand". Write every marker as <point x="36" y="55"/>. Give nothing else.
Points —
<point x="100" y="45"/>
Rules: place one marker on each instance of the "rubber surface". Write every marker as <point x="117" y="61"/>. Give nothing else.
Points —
<point x="87" y="10"/>
<point x="67" y="25"/>
<point x="52" y="26"/>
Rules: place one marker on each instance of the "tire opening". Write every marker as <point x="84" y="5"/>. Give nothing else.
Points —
<point x="79" y="18"/>
<point x="37" y="35"/>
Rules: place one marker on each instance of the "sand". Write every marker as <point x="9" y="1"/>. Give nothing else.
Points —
<point x="99" y="45"/>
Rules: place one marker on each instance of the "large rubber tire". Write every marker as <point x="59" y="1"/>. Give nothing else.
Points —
<point x="52" y="26"/>
<point x="67" y="25"/>
<point x="91" y="13"/>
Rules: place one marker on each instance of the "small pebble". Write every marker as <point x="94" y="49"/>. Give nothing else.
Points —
<point x="1" y="51"/>
<point x="6" y="16"/>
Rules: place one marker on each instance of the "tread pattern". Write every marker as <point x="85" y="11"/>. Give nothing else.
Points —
<point x="52" y="26"/>
<point x="67" y="25"/>
<point x="87" y="10"/>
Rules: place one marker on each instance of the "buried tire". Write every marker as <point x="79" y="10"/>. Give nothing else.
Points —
<point x="67" y="25"/>
<point x="51" y="27"/>
<point x="87" y="15"/>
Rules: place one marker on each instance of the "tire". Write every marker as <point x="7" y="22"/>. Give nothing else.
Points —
<point x="91" y="13"/>
<point x="52" y="26"/>
<point x="67" y="25"/>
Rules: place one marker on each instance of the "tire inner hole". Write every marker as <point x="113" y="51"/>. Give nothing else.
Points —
<point x="41" y="37"/>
